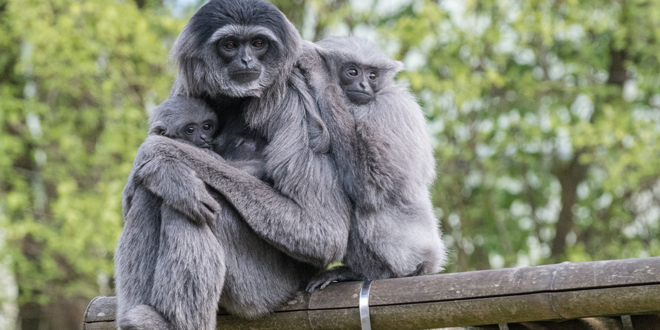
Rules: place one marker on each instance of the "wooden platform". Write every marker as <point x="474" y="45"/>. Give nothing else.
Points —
<point x="504" y="298"/>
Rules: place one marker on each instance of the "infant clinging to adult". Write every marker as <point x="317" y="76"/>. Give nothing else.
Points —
<point x="192" y="121"/>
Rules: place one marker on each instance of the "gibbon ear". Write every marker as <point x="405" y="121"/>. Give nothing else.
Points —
<point x="158" y="128"/>
<point x="397" y="66"/>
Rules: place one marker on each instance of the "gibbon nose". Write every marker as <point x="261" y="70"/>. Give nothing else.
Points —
<point x="246" y="58"/>
<point x="363" y="83"/>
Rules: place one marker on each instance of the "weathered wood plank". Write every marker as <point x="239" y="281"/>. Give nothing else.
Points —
<point x="101" y="309"/>
<point x="606" y="273"/>
<point x="461" y="285"/>
<point x="337" y="295"/>
<point x="100" y="326"/>
<point x="552" y="292"/>
<point x="641" y="299"/>
<point x="640" y="322"/>
<point x="518" y="308"/>
<point x="564" y="276"/>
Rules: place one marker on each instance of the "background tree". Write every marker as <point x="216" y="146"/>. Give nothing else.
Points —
<point x="545" y="115"/>
<point x="77" y="77"/>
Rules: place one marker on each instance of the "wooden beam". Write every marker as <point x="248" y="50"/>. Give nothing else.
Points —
<point x="552" y="292"/>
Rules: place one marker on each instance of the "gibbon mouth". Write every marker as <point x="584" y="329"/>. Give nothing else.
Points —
<point x="245" y="76"/>
<point x="359" y="92"/>
<point x="359" y="97"/>
<point x="205" y="146"/>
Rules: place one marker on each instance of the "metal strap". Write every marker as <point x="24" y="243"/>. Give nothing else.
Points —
<point x="365" y="321"/>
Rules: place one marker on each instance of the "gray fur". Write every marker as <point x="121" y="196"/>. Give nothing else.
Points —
<point x="159" y="243"/>
<point x="385" y="156"/>
<point x="273" y="234"/>
<point x="197" y="60"/>
<point x="172" y="116"/>
<point x="184" y="243"/>
<point x="175" y="112"/>
<point x="143" y="317"/>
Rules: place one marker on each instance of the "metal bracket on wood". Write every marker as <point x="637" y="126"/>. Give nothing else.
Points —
<point x="365" y="321"/>
<point x="501" y="297"/>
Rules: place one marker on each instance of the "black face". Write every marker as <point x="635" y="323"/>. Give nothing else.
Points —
<point x="199" y="134"/>
<point x="360" y="83"/>
<point x="243" y="57"/>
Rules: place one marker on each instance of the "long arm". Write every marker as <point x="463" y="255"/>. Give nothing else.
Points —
<point x="169" y="179"/>
<point x="310" y="224"/>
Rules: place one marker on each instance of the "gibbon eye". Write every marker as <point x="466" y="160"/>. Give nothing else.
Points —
<point x="373" y="75"/>
<point x="258" y="43"/>
<point x="230" y="45"/>
<point x="190" y="129"/>
<point x="352" y="72"/>
<point x="207" y="127"/>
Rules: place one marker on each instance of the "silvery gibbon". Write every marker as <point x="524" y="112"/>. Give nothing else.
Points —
<point x="273" y="235"/>
<point x="379" y="140"/>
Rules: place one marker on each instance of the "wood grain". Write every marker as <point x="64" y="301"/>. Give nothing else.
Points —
<point x="543" y="295"/>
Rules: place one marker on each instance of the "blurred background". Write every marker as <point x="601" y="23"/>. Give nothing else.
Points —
<point x="545" y="116"/>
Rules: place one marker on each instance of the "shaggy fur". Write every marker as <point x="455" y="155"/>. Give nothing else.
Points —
<point x="170" y="116"/>
<point x="387" y="166"/>
<point x="273" y="235"/>
<point x="239" y="148"/>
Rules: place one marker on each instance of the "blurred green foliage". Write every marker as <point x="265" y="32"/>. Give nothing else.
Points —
<point x="547" y="120"/>
<point x="76" y="79"/>
<point x="545" y="114"/>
